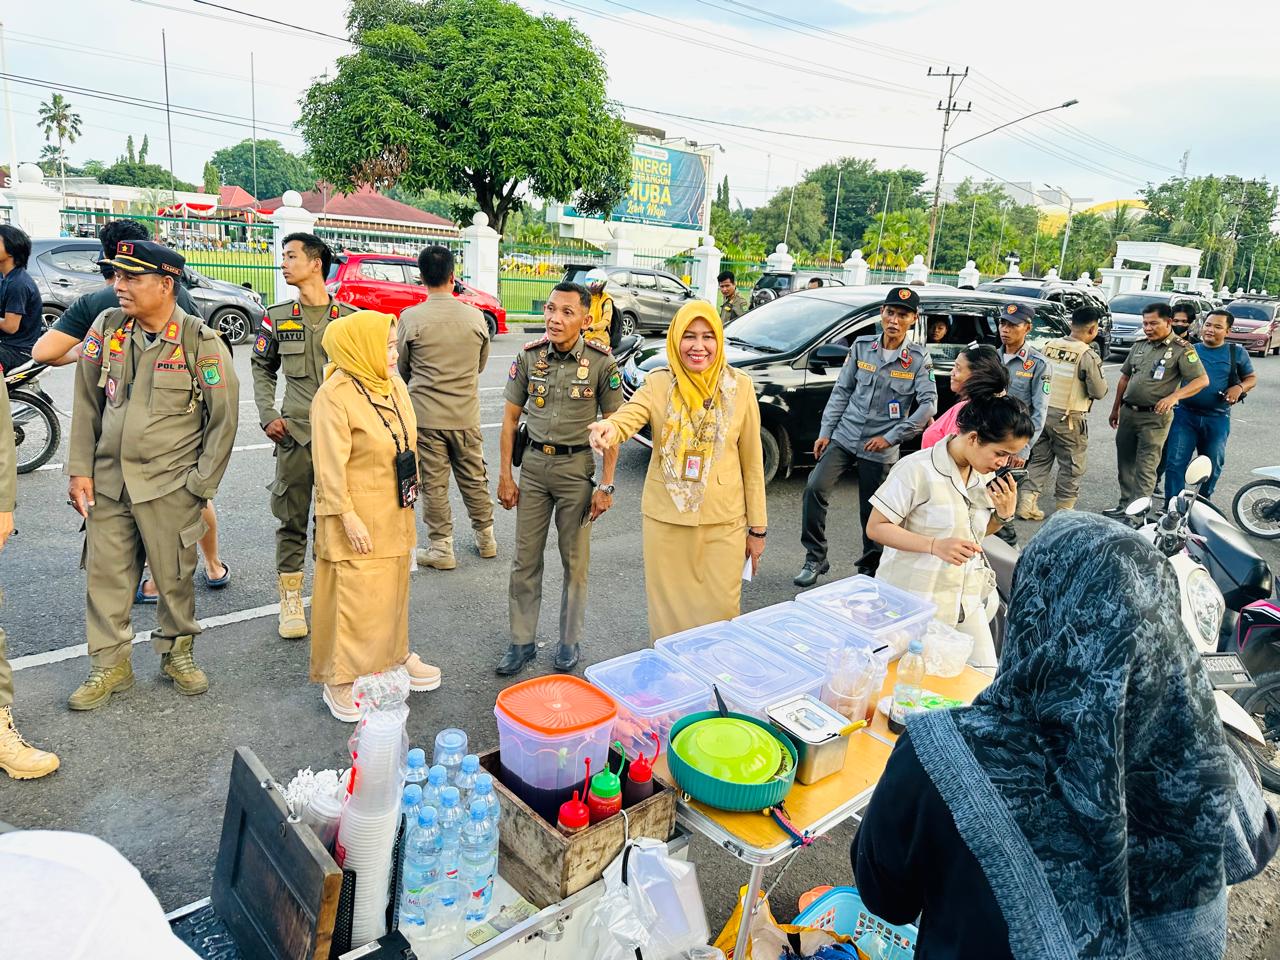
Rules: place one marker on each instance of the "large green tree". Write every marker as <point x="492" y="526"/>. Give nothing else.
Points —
<point x="905" y="233"/>
<point x="802" y="205"/>
<point x="862" y="189"/>
<point x="278" y="169"/>
<point x="477" y="97"/>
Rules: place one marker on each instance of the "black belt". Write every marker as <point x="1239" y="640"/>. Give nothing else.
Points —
<point x="558" y="449"/>
<point x="1135" y="407"/>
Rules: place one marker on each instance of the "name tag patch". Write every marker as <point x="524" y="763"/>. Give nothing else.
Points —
<point x="289" y="336"/>
<point x="863" y="365"/>
<point x="1022" y="373"/>
<point x="902" y="374"/>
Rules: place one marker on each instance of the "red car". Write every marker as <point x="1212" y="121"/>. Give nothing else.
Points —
<point x="387" y="282"/>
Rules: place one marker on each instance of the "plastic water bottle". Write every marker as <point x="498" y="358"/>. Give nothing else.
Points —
<point x="417" y="763"/>
<point x="437" y="780"/>
<point x="466" y="779"/>
<point x="906" y="691"/>
<point x="451" y="747"/>
<point x="477" y="861"/>
<point x="409" y="806"/>
<point x="421" y="867"/>
<point x="451" y="818"/>
<point x="484" y="791"/>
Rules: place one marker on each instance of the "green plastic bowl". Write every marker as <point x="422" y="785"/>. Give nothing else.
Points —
<point x="729" y="749"/>
<point x="726" y="794"/>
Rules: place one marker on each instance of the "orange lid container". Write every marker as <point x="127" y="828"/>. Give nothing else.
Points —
<point x="556" y="706"/>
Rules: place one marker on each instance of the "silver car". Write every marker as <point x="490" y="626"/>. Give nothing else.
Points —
<point x="1126" y="314"/>
<point x="67" y="268"/>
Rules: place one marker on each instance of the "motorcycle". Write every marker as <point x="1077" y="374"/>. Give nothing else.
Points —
<point x="1221" y="581"/>
<point x="1256" y="506"/>
<point x="627" y="346"/>
<point x="36" y="428"/>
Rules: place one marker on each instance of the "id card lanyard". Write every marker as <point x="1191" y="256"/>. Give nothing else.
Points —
<point x="695" y="459"/>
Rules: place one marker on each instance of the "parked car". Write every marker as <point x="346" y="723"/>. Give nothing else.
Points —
<point x="778" y="283"/>
<point x="1126" y="314"/>
<point x="1071" y="295"/>
<point x="1256" y="326"/>
<point x="66" y="268"/>
<point x="647" y="299"/>
<point x="389" y="282"/>
<point x="794" y="347"/>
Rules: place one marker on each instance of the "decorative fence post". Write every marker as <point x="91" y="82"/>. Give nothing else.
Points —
<point x="35" y="206"/>
<point x="480" y="254"/>
<point x="290" y="217"/>
<point x="970" y="276"/>
<point x="620" y="251"/>
<point x="706" y="265"/>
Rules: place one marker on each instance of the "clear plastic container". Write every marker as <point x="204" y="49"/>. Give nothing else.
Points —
<point x="547" y="728"/>
<point x="855" y="677"/>
<point x="652" y="693"/>
<point x="946" y="649"/>
<point x="795" y="629"/>
<point x="871" y="611"/>
<point x="750" y="672"/>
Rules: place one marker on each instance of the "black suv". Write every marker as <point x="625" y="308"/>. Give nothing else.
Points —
<point x="793" y="349"/>
<point x="1071" y="295"/>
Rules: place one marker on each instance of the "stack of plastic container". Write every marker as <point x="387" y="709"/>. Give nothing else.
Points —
<point x="652" y="692"/>
<point x="371" y="816"/>
<point x="864" y="611"/>
<point x="750" y="673"/>
<point x="796" y="629"/>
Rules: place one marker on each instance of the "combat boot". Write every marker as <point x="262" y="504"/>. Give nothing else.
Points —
<point x="1067" y="504"/>
<point x="102" y="683"/>
<point x="293" y="619"/>
<point x="18" y="758"/>
<point x="180" y="667"/>
<point x="1028" y="508"/>
<point x="486" y="544"/>
<point x="440" y="555"/>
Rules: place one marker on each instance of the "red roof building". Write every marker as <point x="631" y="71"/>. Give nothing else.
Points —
<point x="366" y="209"/>
<point x="232" y="196"/>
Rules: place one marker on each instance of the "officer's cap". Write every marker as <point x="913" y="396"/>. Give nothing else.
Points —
<point x="903" y="297"/>
<point x="1016" y="313"/>
<point x="143" y="256"/>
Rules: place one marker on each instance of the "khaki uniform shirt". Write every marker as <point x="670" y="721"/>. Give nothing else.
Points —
<point x="290" y="337"/>
<point x="8" y="455"/>
<point x="733" y="308"/>
<point x="1155" y="370"/>
<point x="444" y="344"/>
<point x="148" y="416"/>
<point x="872" y="397"/>
<point x="561" y="393"/>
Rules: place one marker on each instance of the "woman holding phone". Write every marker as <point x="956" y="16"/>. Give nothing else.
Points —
<point x="936" y="506"/>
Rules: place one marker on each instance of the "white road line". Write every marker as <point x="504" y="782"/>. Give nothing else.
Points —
<point x="253" y="446"/>
<point x="82" y="649"/>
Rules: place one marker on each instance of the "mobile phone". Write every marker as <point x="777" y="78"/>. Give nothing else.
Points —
<point x="1007" y="471"/>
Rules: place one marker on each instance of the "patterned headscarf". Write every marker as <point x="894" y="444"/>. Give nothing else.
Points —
<point x="357" y="345"/>
<point x="1091" y="779"/>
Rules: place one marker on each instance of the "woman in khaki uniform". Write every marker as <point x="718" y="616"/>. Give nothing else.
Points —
<point x="361" y="418"/>
<point x="703" y="504"/>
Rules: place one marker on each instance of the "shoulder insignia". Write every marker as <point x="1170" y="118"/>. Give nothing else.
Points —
<point x="1180" y="341"/>
<point x="601" y="347"/>
<point x="1192" y="357"/>
<point x="534" y="344"/>
<point x="334" y="312"/>
<point x="210" y="371"/>
<point x="261" y="344"/>
<point x="92" y="349"/>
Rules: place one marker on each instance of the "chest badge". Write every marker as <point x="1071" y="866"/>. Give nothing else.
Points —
<point x="583" y="371"/>
<point x="539" y="401"/>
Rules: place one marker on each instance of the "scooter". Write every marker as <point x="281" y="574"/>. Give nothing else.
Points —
<point x="1256" y="506"/>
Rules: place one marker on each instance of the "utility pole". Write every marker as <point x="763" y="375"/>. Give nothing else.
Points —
<point x="968" y="247"/>
<point x="884" y="215"/>
<point x="8" y="113"/>
<point x="168" y="124"/>
<point x="950" y="113"/>
<point x="253" y="107"/>
<point x="835" y="213"/>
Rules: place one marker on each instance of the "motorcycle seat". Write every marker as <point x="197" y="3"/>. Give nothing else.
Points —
<point x="1235" y="566"/>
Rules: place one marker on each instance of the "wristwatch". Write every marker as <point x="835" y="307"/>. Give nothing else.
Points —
<point x="605" y="488"/>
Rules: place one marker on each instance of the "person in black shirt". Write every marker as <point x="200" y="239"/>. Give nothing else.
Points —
<point x="1086" y="804"/>
<point x="21" y="306"/>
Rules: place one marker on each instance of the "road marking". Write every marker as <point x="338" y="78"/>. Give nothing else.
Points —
<point x="82" y="649"/>
<point x="252" y="446"/>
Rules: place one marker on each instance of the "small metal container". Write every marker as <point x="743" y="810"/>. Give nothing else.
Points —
<point x="817" y="732"/>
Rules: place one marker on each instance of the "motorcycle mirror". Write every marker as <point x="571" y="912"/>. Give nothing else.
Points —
<point x="1138" y="507"/>
<point x="1198" y="470"/>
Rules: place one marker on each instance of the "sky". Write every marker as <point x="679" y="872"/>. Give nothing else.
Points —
<point x="814" y="80"/>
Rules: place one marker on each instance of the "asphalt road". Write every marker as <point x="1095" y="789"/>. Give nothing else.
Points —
<point x="148" y="772"/>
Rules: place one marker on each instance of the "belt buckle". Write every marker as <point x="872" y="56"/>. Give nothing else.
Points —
<point x="549" y="449"/>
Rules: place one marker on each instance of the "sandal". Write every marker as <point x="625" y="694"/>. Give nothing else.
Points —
<point x="219" y="582"/>
<point x="140" y="597"/>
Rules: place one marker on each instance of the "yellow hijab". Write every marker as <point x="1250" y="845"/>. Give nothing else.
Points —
<point x="695" y="389"/>
<point x="357" y="345"/>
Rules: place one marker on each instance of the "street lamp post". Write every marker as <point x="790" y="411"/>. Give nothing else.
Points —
<point x="1066" y="233"/>
<point x="942" y="157"/>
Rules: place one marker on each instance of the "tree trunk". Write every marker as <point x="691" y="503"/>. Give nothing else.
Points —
<point x="62" y="167"/>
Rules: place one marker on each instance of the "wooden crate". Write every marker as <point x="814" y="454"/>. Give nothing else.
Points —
<point x="544" y="865"/>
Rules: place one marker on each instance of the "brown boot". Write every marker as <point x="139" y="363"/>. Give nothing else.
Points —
<point x="439" y="555"/>
<point x="18" y="758"/>
<point x="293" y="618"/>
<point x="1027" y="509"/>
<point x="101" y="684"/>
<point x="1067" y="504"/>
<point x="486" y="544"/>
<point x="180" y="666"/>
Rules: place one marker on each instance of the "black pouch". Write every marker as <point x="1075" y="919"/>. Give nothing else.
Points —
<point x="522" y="441"/>
<point x="407" y="477"/>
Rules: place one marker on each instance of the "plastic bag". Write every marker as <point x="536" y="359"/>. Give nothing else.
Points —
<point x="651" y="907"/>
<point x="771" y="940"/>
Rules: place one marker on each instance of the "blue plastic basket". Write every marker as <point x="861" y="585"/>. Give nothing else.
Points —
<point x="842" y="911"/>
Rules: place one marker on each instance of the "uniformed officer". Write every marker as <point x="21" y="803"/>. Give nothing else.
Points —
<point x="1076" y="382"/>
<point x="604" y="324"/>
<point x="154" y="419"/>
<point x="1029" y="374"/>
<point x="867" y="416"/>
<point x="1158" y="372"/>
<point x="560" y="382"/>
<point x="290" y="338"/>
<point x="732" y="304"/>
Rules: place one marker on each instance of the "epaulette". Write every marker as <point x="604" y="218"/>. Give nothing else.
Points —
<point x="602" y="347"/>
<point x="534" y="344"/>
<point x="1181" y="341"/>
<point x="284" y="305"/>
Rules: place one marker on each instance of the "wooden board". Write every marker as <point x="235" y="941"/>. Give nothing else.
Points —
<point x="275" y="887"/>
<point x="544" y="865"/>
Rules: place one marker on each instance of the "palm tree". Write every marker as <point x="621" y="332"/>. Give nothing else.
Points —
<point x="50" y="157"/>
<point x="57" y="118"/>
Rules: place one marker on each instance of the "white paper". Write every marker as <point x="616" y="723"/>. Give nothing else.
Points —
<point x="746" y="570"/>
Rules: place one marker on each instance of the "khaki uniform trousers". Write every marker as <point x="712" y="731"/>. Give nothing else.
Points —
<point x="291" y="503"/>
<point x="462" y="452"/>
<point x="6" y="676"/>
<point x="118" y="535"/>
<point x="559" y="485"/>
<point x="1139" y="440"/>
<point x="1065" y="441"/>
